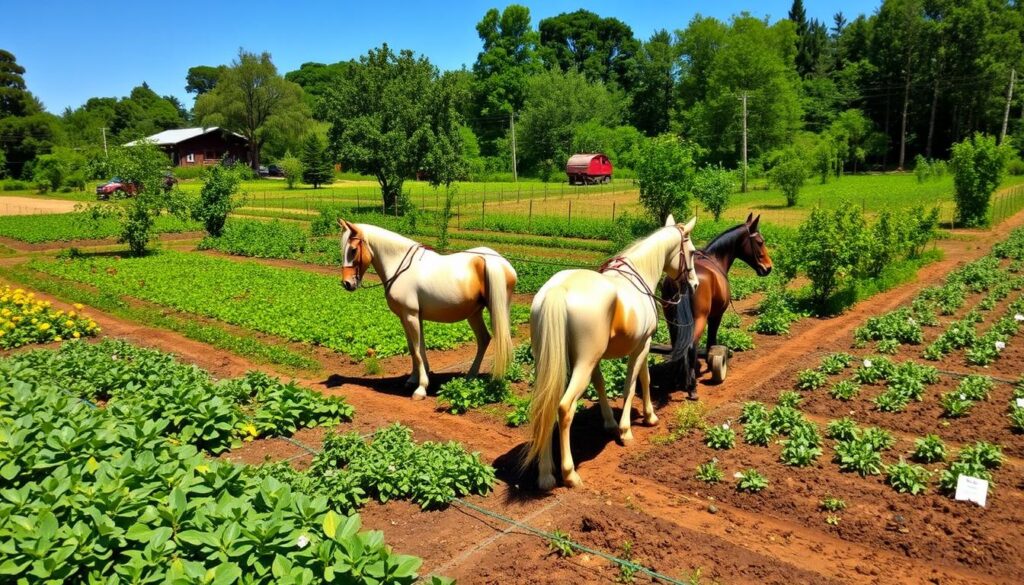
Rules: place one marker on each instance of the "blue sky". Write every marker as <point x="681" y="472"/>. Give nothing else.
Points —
<point x="76" y="50"/>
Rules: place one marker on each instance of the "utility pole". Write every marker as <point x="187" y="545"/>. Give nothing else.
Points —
<point x="1009" y="98"/>
<point x="104" y="129"/>
<point x="744" y="98"/>
<point x="512" y="123"/>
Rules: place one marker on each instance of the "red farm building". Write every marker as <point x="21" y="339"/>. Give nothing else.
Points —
<point x="190" y="147"/>
<point x="588" y="169"/>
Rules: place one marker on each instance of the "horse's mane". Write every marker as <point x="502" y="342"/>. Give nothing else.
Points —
<point x="387" y="242"/>
<point x="725" y="239"/>
<point x="647" y="258"/>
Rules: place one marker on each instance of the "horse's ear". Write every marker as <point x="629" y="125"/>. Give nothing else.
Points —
<point x="689" y="225"/>
<point x="753" y="225"/>
<point x="670" y="221"/>
<point x="750" y="216"/>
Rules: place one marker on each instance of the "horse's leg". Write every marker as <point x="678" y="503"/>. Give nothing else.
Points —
<point x="411" y="323"/>
<point x="423" y="349"/>
<point x="566" y="411"/>
<point x="650" y="418"/>
<point x="632" y="371"/>
<point x="483" y="338"/>
<point x="713" y="322"/>
<point x="597" y="378"/>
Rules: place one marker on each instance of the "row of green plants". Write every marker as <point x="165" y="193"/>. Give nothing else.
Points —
<point x="291" y="303"/>
<point x="84" y="225"/>
<point x="211" y="415"/>
<point x="102" y="495"/>
<point x="350" y="469"/>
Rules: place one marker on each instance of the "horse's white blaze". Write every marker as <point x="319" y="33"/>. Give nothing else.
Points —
<point x="580" y="317"/>
<point x="445" y="288"/>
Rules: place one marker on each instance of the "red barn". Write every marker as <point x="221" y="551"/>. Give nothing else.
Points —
<point x="588" y="169"/>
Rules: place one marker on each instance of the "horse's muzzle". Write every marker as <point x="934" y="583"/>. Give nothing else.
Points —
<point x="349" y="285"/>
<point x="763" y="271"/>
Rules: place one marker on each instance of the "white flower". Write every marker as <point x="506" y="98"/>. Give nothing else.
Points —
<point x="1000" y="345"/>
<point x="911" y="320"/>
<point x="1018" y="317"/>
<point x="302" y="541"/>
<point x="963" y="397"/>
<point x="867" y="363"/>
<point x="737" y="475"/>
<point x="725" y="426"/>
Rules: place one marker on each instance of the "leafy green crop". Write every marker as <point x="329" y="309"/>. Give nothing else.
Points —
<point x="193" y="407"/>
<point x="843" y="429"/>
<point x="929" y="449"/>
<point x="98" y="495"/>
<point x="294" y="304"/>
<point x="463" y="394"/>
<point x="66" y="227"/>
<point x="709" y="472"/>
<point x="751" y="481"/>
<point x="810" y="379"/>
<point x="906" y="478"/>
<point x="720" y="437"/>
<point x="803" y="447"/>
<point x="834" y="363"/>
<point x="844" y="390"/>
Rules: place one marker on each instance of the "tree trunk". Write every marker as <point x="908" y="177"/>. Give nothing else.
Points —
<point x="903" y="124"/>
<point x="391" y="196"/>
<point x="931" y="121"/>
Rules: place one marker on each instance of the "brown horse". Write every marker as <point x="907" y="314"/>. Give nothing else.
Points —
<point x="710" y="300"/>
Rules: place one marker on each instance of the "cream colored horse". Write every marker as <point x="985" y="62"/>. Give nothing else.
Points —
<point x="580" y="317"/>
<point x="422" y="285"/>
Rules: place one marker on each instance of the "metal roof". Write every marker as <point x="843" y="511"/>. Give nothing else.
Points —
<point x="176" y="136"/>
<point x="582" y="159"/>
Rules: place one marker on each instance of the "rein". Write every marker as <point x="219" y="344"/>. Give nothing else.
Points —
<point x="621" y="265"/>
<point x="404" y="265"/>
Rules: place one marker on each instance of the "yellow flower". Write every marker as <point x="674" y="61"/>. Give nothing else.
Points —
<point x="76" y="335"/>
<point x="69" y="323"/>
<point x="250" y="429"/>
<point x="58" y="338"/>
<point x="79" y="306"/>
<point x="43" y="326"/>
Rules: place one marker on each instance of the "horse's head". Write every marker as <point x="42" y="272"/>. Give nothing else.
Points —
<point x="682" y="265"/>
<point x="753" y="251"/>
<point x="356" y="255"/>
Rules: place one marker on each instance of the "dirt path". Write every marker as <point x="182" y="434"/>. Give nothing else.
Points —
<point x="669" y="526"/>
<point x="29" y="206"/>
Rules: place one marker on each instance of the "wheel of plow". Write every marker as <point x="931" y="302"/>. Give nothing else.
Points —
<point x="718" y="363"/>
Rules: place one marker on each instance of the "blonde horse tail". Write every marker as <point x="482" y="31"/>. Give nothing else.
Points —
<point x="547" y="329"/>
<point x="498" y="306"/>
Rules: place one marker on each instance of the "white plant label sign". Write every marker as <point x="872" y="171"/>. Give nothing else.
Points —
<point x="1020" y="403"/>
<point x="971" y="489"/>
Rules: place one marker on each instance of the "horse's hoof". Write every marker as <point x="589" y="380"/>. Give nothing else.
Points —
<point x="573" y="479"/>
<point x="692" y="396"/>
<point x="651" y="420"/>
<point x="412" y="382"/>
<point x="626" y="438"/>
<point x="546" y="483"/>
<point x="419" y="394"/>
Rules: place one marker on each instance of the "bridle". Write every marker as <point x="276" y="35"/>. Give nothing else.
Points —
<point x="360" y="268"/>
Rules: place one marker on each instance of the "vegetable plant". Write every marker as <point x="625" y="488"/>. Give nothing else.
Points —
<point x="832" y="504"/>
<point x="834" y="363"/>
<point x="844" y="390"/>
<point x="720" y="437"/>
<point x="751" y="481"/>
<point x="790" y="399"/>
<point x="843" y="429"/>
<point x="810" y="379"/>
<point x="753" y="411"/>
<point x="463" y="394"/>
<point x="906" y="478"/>
<point x="929" y="449"/>
<point x="758" y="432"/>
<point x="955" y="404"/>
<point x="709" y="472"/>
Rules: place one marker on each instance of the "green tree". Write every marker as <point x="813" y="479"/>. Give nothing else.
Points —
<point x="387" y="115"/>
<point x="143" y="165"/>
<point x="203" y="78"/>
<point x="217" y="198"/>
<point x="557" y="104"/>
<point x="654" y="77"/>
<point x="978" y="166"/>
<point x="712" y="187"/>
<point x="316" y="161"/>
<point x="752" y="58"/>
<point x="292" y="168"/>
<point x="250" y="98"/>
<point x="665" y="171"/>
<point x="789" y="174"/>
<point x="502" y="68"/>
<point x="827" y="248"/>
<point x="61" y="167"/>
<point x="602" y="49"/>
<point x="25" y="129"/>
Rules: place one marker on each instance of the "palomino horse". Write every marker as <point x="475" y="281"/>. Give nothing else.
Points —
<point x="420" y="284"/>
<point x="580" y="317"/>
<point x="709" y="302"/>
